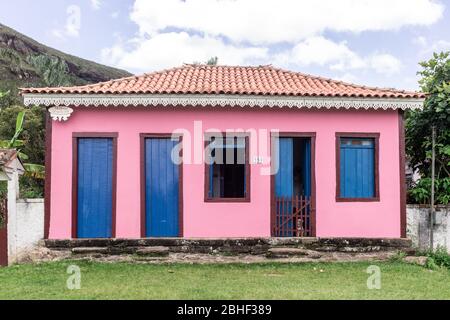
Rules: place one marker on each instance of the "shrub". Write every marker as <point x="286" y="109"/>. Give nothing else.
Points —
<point x="435" y="82"/>
<point x="441" y="257"/>
<point x="420" y="193"/>
<point x="438" y="258"/>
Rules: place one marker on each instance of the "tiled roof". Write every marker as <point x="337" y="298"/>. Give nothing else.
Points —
<point x="231" y="80"/>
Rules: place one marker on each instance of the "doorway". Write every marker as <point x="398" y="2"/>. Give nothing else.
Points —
<point x="162" y="194"/>
<point x="293" y="186"/>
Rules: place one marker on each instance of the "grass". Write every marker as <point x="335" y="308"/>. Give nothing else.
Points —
<point x="238" y="281"/>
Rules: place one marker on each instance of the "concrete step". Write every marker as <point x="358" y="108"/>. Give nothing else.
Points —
<point x="225" y="246"/>
<point x="103" y="250"/>
<point x="279" y="253"/>
<point x="153" y="252"/>
<point x="91" y="250"/>
<point x="351" y="249"/>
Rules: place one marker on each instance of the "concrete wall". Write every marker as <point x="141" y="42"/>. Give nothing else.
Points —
<point x="28" y="222"/>
<point x="418" y="227"/>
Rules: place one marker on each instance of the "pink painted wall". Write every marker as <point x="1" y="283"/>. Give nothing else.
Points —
<point x="369" y="219"/>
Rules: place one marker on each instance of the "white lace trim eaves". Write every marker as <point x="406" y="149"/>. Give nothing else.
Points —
<point x="220" y="101"/>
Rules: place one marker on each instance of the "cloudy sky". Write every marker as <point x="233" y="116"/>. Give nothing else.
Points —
<point x="371" y="42"/>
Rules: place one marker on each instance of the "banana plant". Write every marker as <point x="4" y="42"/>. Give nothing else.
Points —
<point x="32" y="170"/>
<point x="3" y="94"/>
<point x="14" y="142"/>
<point x="36" y="171"/>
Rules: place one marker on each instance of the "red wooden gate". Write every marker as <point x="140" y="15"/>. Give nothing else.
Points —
<point x="3" y="232"/>
<point x="293" y="217"/>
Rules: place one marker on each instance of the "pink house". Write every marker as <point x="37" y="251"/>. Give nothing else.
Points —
<point x="219" y="151"/>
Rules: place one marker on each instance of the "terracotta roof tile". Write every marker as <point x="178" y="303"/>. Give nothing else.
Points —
<point x="234" y="80"/>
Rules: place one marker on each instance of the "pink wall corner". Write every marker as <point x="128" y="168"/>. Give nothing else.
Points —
<point x="360" y="219"/>
<point x="378" y="219"/>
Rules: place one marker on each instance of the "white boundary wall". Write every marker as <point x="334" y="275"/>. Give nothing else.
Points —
<point x="25" y="227"/>
<point x="418" y="226"/>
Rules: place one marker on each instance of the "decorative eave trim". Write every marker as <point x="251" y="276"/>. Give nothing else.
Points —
<point x="108" y="100"/>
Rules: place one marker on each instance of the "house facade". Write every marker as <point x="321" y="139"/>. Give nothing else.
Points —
<point x="216" y="151"/>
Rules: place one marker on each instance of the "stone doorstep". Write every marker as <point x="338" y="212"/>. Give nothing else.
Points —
<point x="230" y="242"/>
<point x="279" y="253"/>
<point x="101" y="250"/>
<point x="141" y="251"/>
<point x="349" y="249"/>
<point x="150" y="242"/>
<point x="90" y="250"/>
<point x="153" y="252"/>
<point x="272" y="247"/>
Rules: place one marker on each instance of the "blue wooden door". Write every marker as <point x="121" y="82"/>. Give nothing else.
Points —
<point x="306" y="165"/>
<point x="286" y="193"/>
<point x="161" y="189"/>
<point x="284" y="179"/>
<point x="95" y="187"/>
<point x="284" y="184"/>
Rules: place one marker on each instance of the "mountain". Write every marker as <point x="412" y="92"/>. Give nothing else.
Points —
<point x="25" y="62"/>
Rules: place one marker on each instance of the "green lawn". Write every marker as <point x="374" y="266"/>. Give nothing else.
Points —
<point x="262" y="281"/>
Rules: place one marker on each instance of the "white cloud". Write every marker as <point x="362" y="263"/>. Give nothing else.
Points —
<point x="384" y="63"/>
<point x="273" y="21"/>
<point x="115" y="14"/>
<point x="420" y="41"/>
<point x="73" y="24"/>
<point x="96" y="4"/>
<point x="242" y="32"/>
<point x="428" y="47"/>
<point x="321" y="51"/>
<point x="347" y="77"/>
<point x="439" y="46"/>
<point x="172" y="49"/>
<point x="336" y="56"/>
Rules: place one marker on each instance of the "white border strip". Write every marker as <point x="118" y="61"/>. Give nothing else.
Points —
<point x="251" y="101"/>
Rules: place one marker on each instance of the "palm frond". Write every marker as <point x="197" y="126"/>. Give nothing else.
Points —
<point x="36" y="171"/>
<point x="23" y="156"/>
<point x="19" y="127"/>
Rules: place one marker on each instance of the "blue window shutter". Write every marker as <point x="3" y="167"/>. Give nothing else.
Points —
<point x="357" y="168"/>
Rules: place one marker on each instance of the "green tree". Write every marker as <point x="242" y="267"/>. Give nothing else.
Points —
<point x="23" y="129"/>
<point x="3" y="94"/>
<point x="3" y="184"/>
<point x="32" y="133"/>
<point x="10" y="94"/>
<point x="213" y="61"/>
<point x="436" y="83"/>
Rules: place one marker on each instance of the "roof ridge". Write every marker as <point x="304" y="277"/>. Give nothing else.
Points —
<point x="343" y="82"/>
<point x="227" y="79"/>
<point x="226" y="65"/>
